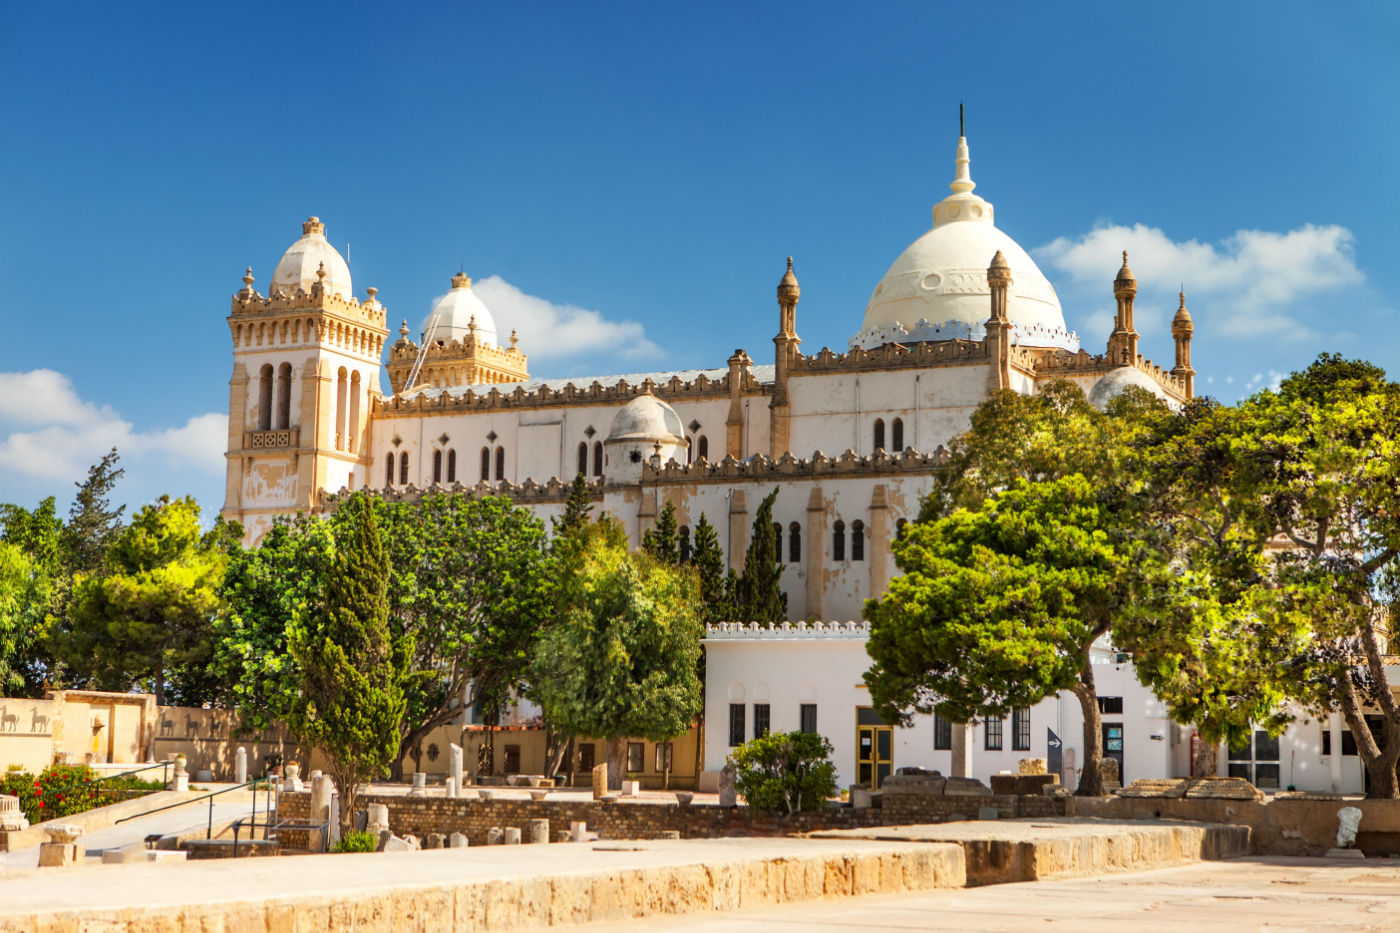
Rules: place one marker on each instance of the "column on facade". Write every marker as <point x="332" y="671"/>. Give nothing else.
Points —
<point x="739" y="365"/>
<point x="998" y="326"/>
<point x="237" y="415"/>
<point x="738" y="530"/>
<point x="315" y="427"/>
<point x="878" y="542"/>
<point x="816" y="554"/>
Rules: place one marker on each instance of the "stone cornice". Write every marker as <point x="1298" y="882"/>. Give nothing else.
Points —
<point x="759" y="467"/>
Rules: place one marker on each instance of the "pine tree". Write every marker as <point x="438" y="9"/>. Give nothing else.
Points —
<point x="715" y="596"/>
<point x="662" y="542"/>
<point x="760" y="596"/>
<point x="353" y="668"/>
<point x="92" y="523"/>
<point x="578" y="510"/>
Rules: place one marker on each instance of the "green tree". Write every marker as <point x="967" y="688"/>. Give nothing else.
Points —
<point x="149" y="616"/>
<point x="33" y="594"/>
<point x="760" y="596"/>
<point x="663" y="541"/>
<point x="22" y="601"/>
<point x="784" y="772"/>
<point x="621" y="660"/>
<point x="999" y="608"/>
<point x="351" y="704"/>
<point x="93" y="525"/>
<point x="716" y="593"/>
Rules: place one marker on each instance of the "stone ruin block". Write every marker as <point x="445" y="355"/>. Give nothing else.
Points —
<point x="600" y="782"/>
<point x="12" y="819"/>
<point x="458" y="841"/>
<point x="1170" y="789"/>
<point x="1031" y="766"/>
<point x="434" y="841"/>
<point x="512" y="836"/>
<point x="495" y="836"/>
<point x="1226" y="788"/>
<point x="392" y="843"/>
<point x="928" y="784"/>
<point x="1022" y="785"/>
<point x="965" y="787"/>
<point x="539" y="832"/>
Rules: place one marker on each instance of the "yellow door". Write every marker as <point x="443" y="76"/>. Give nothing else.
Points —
<point x="874" y="749"/>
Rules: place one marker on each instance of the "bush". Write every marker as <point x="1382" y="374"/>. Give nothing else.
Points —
<point x="783" y="772"/>
<point x="357" y="842"/>
<point x="63" y="790"/>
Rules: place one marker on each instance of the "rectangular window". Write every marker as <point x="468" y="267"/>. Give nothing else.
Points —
<point x="1111" y="706"/>
<point x="1021" y="730"/>
<point x="736" y="724"/>
<point x="636" y="757"/>
<point x="665" y="759"/>
<point x="1326" y="741"/>
<point x="512" y="759"/>
<point x="586" y="760"/>
<point x="762" y="716"/>
<point x="1348" y="742"/>
<point x="808" y="717"/>
<point x="992" y="733"/>
<point x="942" y="734"/>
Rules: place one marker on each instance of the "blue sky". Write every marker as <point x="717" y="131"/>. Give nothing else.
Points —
<point x="634" y="175"/>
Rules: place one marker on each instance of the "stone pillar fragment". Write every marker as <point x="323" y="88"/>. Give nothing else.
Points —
<point x="962" y="749"/>
<point x="539" y="831"/>
<point x="600" y="781"/>
<point x="321" y="793"/>
<point x="512" y="836"/>
<point x="240" y="766"/>
<point x="454" y="764"/>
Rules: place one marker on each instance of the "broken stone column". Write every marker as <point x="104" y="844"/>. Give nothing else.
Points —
<point x="579" y="830"/>
<point x="512" y="837"/>
<point x="420" y="784"/>
<point x="449" y="789"/>
<point x="179" y="777"/>
<point x="12" y="818"/>
<point x="860" y="797"/>
<point x="376" y="818"/>
<point x="321" y="791"/>
<point x="539" y="831"/>
<point x="457" y="841"/>
<point x="454" y="764"/>
<point x="600" y="781"/>
<point x="494" y="836"/>
<point x="962" y="749"/>
<point x="292" y="780"/>
<point x="728" y="794"/>
<point x="434" y="841"/>
<point x="240" y="766"/>
<point x="63" y="848"/>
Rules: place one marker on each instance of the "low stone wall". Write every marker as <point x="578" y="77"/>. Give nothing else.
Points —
<point x="474" y="817"/>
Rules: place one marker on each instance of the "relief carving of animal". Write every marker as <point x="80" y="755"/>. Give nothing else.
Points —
<point x="167" y="728"/>
<point x="37" y="722"/>
<point x="191" y="726"/>
<point x="9" y="722"/>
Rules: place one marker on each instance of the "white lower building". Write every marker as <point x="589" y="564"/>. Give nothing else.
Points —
<point x="801" y="676"/>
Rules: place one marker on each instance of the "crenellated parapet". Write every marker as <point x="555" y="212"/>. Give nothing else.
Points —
<point x="892" y="356"/>
<point x="438" y="400"/>
<point x="305" y="319"/>
<point x="819" y="465"/>
<point x="526" y="493"/>
<point x="1059" y="364"/>
<point x="773" y="631"/>
<point x="467" y="362"/>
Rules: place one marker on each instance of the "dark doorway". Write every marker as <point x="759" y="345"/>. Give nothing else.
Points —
<point x="1113" y="747"/>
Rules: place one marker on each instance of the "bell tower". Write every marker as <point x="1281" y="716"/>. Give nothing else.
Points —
<point x="305" y="376"/>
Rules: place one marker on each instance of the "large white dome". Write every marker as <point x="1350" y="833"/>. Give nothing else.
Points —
<point x="299" y="264"/>
<point x="937" y="289"/>
<point x="647" y="418"/>
<point x="457" y="311"/>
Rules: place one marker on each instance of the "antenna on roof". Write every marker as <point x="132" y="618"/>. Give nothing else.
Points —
<point x="961" y="130"/>
<point x="347" y="252"/>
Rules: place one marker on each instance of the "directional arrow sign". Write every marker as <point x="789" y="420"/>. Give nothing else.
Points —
<point x="1054" y="760"/>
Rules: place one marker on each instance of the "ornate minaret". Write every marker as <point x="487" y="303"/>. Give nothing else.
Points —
<point x="784" y="353"/>
<point x="1123" y="343"/>
<point x="1182" y="328"/>
<point x="998" y="326"/>
<point x="305" y="377"/>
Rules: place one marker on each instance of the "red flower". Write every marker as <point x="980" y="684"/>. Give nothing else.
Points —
<point x="41" y="803"/>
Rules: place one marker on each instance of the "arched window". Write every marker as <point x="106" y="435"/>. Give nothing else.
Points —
<point x="689" y="450"/>
<point x="354" y="444"/>
<point x="342" y="390"/>
<point x="897" y="434"/>
<point x="899" y="529"/>
<point x="583" y="459"/>
<point x="777" y="542"/>
<point x="794" y="543"/>
<point x="284" y="396"/>
<point x="485" y="464"/>
<point x="452" y="465"/>
<point x="437" y="466"/>
<point x="838" y="541"/>
<point x="857" y="540"/>
<point x="879" y="434"/>
<point x="703" y="447"/>
<point x="683" y="538"/>
<point x="265" y="398"/>
<point x="403" y="468"/>
<point x="597" y="458"/>
<point x="500" y="463"/>
<point x="389" y="470"/>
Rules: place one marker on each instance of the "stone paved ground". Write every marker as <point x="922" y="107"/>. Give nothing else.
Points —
<point x="1278" y="895"/>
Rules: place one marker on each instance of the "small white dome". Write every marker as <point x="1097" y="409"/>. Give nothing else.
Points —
<point x="647" y="418"/>
<point x="457" y="310"/>
<point x="299" y="264"/>
<point x="937" y="289"/>
<point x="1117" y="382"/>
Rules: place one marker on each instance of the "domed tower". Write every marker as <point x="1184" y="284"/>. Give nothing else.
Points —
<point x="1182" y="329"/>
<point x="305" y="377"/>
<point x="462" y="350"/>
<point x="644" y="428"/>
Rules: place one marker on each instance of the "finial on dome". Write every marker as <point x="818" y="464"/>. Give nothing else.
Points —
<point x="962" y="180"/>
<point x="999" y="261"/>
<point x="372" y="291"/>
<point x="321" y="271"/>
<point x="313" y="225"/>
<point x="248" y="278"/>
<point x="1182" y="316"/>
<point x="403" y="331"/>
<point x="461" y="280"/>
<point x="789" y="280"/>
<point x="471" y="326"/>
<point x="962" y="130"/>
<point x="1125" y="274"/>
<point x="513" y="339"/>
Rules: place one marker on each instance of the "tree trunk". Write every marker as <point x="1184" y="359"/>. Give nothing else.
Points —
<point x="1385" y="784"/>
<point x="1207" y="760"/>
<point x="346" y="785"/>
<point x="1091" y="778"/>
<point x="617" y="762"/>
<point x="554" y="762"/>
<point x="160" y="683"/>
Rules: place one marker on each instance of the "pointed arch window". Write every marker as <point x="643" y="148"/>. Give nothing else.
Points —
<point x="897" y="434"/>
<point x="355" y="393"/>
<point x="500" y="463"/>
<point x="838" y="541"/>
<point x="284" y="396"/>
<point x="702" y="447"/>
<point x="583" y="459"/>
<point x="857" y="540"/>
<point x="485" y="464"/>
<point x="597" y="458"/>
<point x="403" y="468"/>
<point x="452" y="465"/>
<point x="794" y="543"/>
<point x="879" y="434"/>
<point x="265" y="398"/>
<point x="437" y="466"/>
<point x="389" y="470"/>
<point x="342" y="394"/>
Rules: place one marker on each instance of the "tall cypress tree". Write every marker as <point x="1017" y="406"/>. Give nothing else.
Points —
<point x="663" y="541"/>
<point x="92" y="522"/>
<point x="715" y="595"/>
<point x="353" y="668"/>
<point x="760" y="595"/>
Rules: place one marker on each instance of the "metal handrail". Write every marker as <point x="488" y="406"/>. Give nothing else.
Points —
<point x="186" y="803"/>
<point x="163" y="765"/>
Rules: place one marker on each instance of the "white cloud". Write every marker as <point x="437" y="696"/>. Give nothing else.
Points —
<point x="48" y="433"/>
<point x="550" y="331"/>
<point x="1252" y="282"/>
